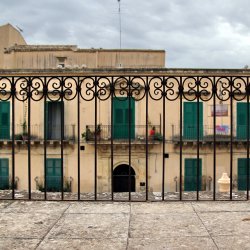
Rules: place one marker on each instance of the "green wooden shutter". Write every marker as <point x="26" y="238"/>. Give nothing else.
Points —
<point x="4" y="173"/>
<point x="190" y="120"/>
<point x="5" y="120"/>
<point x="241" y="121"/>
<point x="190" y="179"/>
<point x="242" y="174"/>
<point x="54" y="174"/>
<point x="121" y="118"/>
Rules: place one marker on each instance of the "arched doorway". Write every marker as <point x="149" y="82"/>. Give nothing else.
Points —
<point x="121" y="178"/>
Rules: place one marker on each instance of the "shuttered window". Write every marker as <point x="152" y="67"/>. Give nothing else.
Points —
<point x="4" y="120"/>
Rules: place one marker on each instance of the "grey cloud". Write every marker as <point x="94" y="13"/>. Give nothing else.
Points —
<point x="194" y="33"/>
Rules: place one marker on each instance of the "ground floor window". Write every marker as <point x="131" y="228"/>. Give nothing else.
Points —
<point x="54" y="175"/>
<point x="190" y="179"/>
<point x="242" y="174"/>
<point x="4" y="173"/>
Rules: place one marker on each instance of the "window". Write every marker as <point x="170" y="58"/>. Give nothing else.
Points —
<point x="61" y="62"/>
<point x="4" y="120"/>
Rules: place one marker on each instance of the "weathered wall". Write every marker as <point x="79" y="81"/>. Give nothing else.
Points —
<point x="9" y="36"/>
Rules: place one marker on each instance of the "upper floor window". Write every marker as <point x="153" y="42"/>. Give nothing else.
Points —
<point x="61" y="61"/>
<point x="4" y="120"/>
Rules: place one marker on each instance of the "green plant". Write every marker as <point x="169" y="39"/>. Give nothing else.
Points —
<point x="98" y="128"/>
<point x="67" y="186"/>
<point x="24" y="126"/>
<point x="158" y="137"/>
<point x="15" y="185"/>
<point x="87" y="135"/>
<point x="40" y="187"/>
<point x="18" y="137"/>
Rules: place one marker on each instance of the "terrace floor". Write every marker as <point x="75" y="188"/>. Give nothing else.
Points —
<point x="124" y="196"/>
<point x="124" y="225"/>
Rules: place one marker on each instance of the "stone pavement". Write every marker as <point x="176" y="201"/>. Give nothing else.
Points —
<point x="124" y="225"/>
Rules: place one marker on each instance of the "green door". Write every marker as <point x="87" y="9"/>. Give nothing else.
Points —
<point x="4" y="173"/>
<point x="121" y="118"/>
<point x="54" y="174"/>
<point x="4" y="120"/>
<point x="190" y="120"/>
<point x="242" y="120"/>
<point x="242" y="174"/>
<point x="190" y="179"/>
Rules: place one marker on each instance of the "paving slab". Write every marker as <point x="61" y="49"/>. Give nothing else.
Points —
<point x="234" y="242"/>
<point x="4" y="204"/>
<point x="172" y="243"/>
<point x="26" y="225"/>
<point x="99" y="207"/>
<point x="218" y="206"/>
<point x="91" y="226"/>
<point x="84" y="244"/>
<point x="20" y="244"/>
<point x="158" y="226"/>
<point x="37" y="207"/>
<point x="225" y="223"/>
<point x="161" y="207"/>
<point x="124" y="225"/>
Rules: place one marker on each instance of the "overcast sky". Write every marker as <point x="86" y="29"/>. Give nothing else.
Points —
<point x="194" y="33"/>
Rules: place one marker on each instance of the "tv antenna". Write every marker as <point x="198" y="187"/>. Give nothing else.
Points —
<point x="120" y="22"/>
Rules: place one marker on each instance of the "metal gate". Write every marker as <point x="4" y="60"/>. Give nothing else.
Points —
<point x="69" y="150"/>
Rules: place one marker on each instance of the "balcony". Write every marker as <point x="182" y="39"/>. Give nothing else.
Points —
<point x="122" y="134"/>
<point x="206" y="134"/>
<point x="53" y="134"/>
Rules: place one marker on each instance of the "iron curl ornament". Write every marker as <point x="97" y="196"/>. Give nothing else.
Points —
<point x="103" y="88"/>
<point x="191" y="88"/>
<point x="22" y="86"/>
<point x="172" y="85"/>
<point x="54" y="88"/>
<point x="222" y="86"/>
<point x="36" y="88"/>
<point x="239" y="90"/>
<point x="138" y="88"/>
<point x="122" y="87"/>
<point x="6" y="88"/>
<point x="206" y="86"/>
<point x="156" y="88"/>
<point x="87" y="88"/>
<point x="70" y="87"/>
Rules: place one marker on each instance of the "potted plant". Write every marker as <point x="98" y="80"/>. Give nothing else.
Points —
<point x="87" y="134"/>
<point x="18" y="137"/>
<point x="158" y="137"/>
<point x="98" y="131"/>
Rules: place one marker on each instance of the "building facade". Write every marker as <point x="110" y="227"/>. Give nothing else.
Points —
<point x="102" y="128"/>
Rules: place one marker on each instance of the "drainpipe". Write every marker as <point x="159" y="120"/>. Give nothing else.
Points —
<point x="160" y="124"/>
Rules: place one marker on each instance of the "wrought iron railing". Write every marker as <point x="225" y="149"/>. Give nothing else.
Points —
<point x="206" y="133"/>
<point x="37" y="133"/>
<point x="120" y="132"/>
<point x="155" y="91"/>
